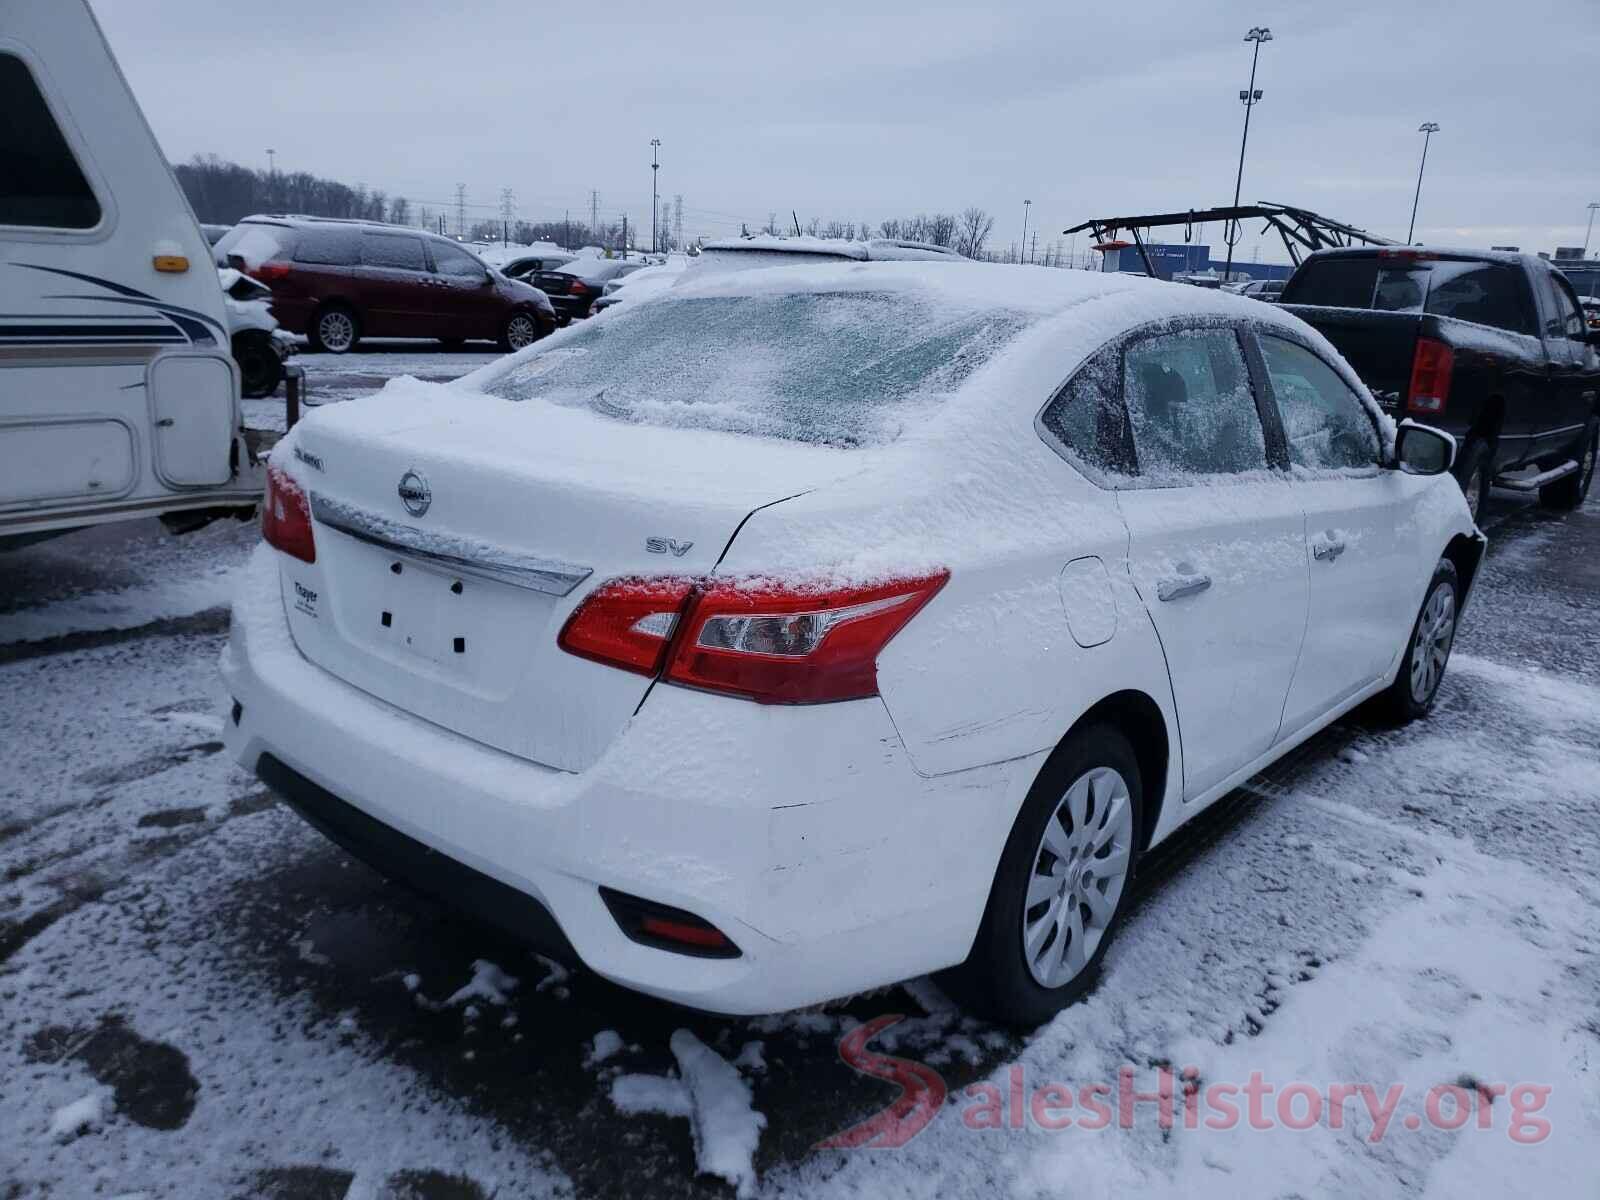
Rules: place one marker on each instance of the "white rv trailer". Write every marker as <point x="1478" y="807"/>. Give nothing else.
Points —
<point x="118" y="395"/>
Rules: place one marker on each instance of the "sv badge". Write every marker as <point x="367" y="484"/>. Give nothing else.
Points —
<point x="672" y="546"/>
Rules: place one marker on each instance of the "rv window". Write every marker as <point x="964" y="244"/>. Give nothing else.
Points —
<point x="42" y="184"/>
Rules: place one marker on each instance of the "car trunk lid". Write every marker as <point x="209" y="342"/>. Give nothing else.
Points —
<point x="452" y="543"/>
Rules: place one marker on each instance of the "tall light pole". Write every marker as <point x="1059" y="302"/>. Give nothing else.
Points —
<point x="1593" y="204"/>
<point x="1427" y="129"/>
<point x="1026" y="204"/>
<point x="272" y="168"/>
<point x="1250" y="96"/>
<point x="655" y="173"/>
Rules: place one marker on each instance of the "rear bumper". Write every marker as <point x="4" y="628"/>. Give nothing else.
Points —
<point x="397" y="856"/>
<point x="804" y="834"/>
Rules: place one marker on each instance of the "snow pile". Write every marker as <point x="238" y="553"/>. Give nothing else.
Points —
<point x="607" y="1042"/>
<point x="715" y="1099"/>
<point x="635" y="1094"/>
<point x="70" y="1120"/>
<point x="488" y="983"/>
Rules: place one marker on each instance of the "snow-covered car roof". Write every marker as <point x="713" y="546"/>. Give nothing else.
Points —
<point x="769" y="250"/>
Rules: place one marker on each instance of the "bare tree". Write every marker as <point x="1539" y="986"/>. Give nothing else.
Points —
<point x="972" y="231"/>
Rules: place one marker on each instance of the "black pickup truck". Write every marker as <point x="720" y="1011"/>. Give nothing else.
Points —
<point x="1490" y="347"/>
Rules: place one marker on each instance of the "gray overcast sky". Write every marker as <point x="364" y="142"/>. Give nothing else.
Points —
<point x="873" y="109"/>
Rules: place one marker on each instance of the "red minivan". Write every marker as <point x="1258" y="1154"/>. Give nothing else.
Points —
<point x="338" y="281"/>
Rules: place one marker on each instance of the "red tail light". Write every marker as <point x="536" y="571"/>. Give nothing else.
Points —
<point x="1431" y="368"/>
<point x="771" y="643"/>
<point x="1407" y="255"/>
<point x="577" y="288"/>
<point x="627" y="623"/>
<point x="271" y="272"/>
<point x="286" y="517"/>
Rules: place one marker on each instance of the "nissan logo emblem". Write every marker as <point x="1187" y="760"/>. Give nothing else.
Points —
<point x="414" y="493"/>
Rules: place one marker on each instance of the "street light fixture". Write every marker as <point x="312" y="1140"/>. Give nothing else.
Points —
<point x="1593" y="205"/>
<point x="1427" y="129"/>
<point x="1250" y="97"/>
<point x="655" y="173"/>
<point x="1026" y="204"/>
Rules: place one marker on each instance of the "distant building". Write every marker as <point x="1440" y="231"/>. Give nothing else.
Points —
<point x="1173" y="260"/>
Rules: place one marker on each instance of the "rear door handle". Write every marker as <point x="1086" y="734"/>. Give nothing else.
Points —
<point x="1327" y="551"/>
<point x="1183" y="585"/>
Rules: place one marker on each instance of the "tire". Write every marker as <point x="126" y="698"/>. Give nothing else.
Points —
<point x="260" y="368"/>
<point x="335" y="330"/>
<point x="1021" y="978"/>
<point x="1570" y="493"/>
<point x="1427" y="651"/>
<point x="521" y="330"/>
<point x="1473" y="474"/>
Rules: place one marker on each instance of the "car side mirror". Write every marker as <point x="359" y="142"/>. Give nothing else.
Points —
<point x="1423" y="450"/>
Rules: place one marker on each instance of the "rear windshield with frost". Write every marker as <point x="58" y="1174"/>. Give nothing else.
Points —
<point x="839" y="369"/>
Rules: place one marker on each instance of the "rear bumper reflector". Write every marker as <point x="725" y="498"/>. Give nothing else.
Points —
<point x="667" y="928"/>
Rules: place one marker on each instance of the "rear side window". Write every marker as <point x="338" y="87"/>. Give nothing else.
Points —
<point x="1486" y="293"/>
<point x="1334" y="283"/>
<point x="451" y="260"/>
<point x="392" y="252"/>
<point x="1190" y="407"/>
<point x="1087" y="421"/>
<point x="41" y="183"/>
<point x="329" y="247"/>
<point x="1324" y="420"/>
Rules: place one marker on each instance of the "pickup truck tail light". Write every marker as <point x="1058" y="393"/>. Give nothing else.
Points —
<point x="286" y="517"/>
<point x="1431" y="368"/>
<point x="769" y="642"/>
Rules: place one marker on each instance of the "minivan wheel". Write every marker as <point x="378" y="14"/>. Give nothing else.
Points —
<point x="1427" y="652"/>
<point x="1570" y="493"/>
<point x="335" y="330"/>
<point x="1062" y="884"/>
<point x="519" y="332"/>
<point x="1472" y="472"/>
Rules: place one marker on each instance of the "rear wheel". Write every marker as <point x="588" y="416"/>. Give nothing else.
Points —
<point x="1472" y="472"/>
<point x="335" y="330"/>
<point x="519" y="332"/>
<point x="1433" y="634"/>
<point x="260" y="368"/>
<point x="1062" y="883"/>
<point x="1571" y="492"/>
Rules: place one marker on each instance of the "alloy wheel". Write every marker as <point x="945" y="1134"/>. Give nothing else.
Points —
<point x="336" y="330"/>
<point x="1080" y="869"/>
<point x="1436" y="631"/>
<point x="521" y="332"/>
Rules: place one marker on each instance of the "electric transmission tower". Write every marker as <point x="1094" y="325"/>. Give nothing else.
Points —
<point x="594" y="217"/>
<point x="461" y="210"/>
<point x="508" y="208"/>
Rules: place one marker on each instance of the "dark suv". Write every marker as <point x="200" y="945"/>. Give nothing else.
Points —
<point x="339" y="281"/>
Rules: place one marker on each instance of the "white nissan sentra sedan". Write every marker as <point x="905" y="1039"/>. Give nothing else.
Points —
<point x="805" y="629"/>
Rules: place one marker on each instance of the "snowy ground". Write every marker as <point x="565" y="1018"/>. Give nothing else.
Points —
<point x="199" y="996"/>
